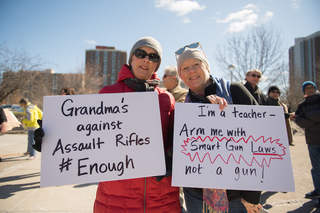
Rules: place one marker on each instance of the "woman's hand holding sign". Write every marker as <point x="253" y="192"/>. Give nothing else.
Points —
<point x="214" y="99"/>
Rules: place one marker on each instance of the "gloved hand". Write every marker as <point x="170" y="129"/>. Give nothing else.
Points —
<point x="168" y="159"/>
<point x="37" y="137"/>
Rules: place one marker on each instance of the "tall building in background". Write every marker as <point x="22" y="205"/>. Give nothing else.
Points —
<point x="304" y="59"/>
<point x="104" y="62"/>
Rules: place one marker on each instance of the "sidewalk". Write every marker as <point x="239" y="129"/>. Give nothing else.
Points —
<point x="20" y="181"/>
<point x="20" y="184"/>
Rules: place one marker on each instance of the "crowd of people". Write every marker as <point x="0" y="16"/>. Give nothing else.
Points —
<point x="152" y="194"/>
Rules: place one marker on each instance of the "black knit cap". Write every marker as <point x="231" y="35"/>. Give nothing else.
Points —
<point x="271" y="88"/>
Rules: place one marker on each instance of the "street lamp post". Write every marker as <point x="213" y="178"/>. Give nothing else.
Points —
<point x="231" y="67"/>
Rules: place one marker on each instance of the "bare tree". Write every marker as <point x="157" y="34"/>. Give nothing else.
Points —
<point x="12" y="67"/>
<point x="76" y="81"/>
<point x="83" y="82"/>
<point x="20" y="76"/>
<point x="93" y="79"/>
<point x="261" y="48"/>
<point x="295" y="94"/>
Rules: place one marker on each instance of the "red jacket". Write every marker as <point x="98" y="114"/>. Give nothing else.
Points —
<point x="141" y="195"/>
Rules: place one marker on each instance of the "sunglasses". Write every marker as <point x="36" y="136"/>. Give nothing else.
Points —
<point x="165" y="75"/>
<point x="254" y="75"/>
<point x="275" y="91"/>
<point x="190" y="46"/>
<point x="139" y="53"/>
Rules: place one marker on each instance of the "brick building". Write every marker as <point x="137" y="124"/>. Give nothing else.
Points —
<point x="105" y="62"/>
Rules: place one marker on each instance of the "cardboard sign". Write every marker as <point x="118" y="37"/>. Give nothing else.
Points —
<point x="103" y="137"/>
<point x="242" y="147"/>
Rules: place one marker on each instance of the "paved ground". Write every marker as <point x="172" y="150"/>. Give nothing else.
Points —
<point x="20" y="181"/>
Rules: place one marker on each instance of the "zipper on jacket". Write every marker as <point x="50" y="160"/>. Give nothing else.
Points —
<point x="144" y="195"/>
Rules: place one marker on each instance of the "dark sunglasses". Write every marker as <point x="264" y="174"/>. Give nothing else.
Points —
<point x="139" y="53"/>
<point x="254" y="75"/>
<point x="165" y="75"/>
<point x="275" y="91"/>
<point x="190" y="46"/>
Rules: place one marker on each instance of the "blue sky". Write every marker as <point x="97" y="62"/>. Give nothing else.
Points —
<point x="62" y="30"/>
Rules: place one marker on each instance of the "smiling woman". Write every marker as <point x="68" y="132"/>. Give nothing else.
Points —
<point x="146" y="194"/>
<point x="194" y="70"/>
<point x="144" y="63"/>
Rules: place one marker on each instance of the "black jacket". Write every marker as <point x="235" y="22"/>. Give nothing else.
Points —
<point x="309" y="118"/>
<point x="257" y="94"/>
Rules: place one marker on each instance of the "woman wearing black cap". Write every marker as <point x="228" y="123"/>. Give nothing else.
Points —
<point x="274" y="100"/>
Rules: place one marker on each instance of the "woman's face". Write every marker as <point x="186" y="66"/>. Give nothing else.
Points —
<point x="274" y="94"/>
<point x="253" y="78"/>
<point x="195" y="75"/>
<point x="143" y="68"/>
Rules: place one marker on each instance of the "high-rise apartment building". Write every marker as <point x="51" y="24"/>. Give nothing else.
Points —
<point x="304" y="65"/>
<point x="304" y="59"/>
<point x="105" y="62"/>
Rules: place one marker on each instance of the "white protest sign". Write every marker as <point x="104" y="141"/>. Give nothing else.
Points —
<point x="103" y="137"/>
<point x="242" y="147"/>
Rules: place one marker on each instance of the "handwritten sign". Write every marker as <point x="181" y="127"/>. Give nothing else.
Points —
<point x="242" y="147"/>
<point x="103" y="137"/>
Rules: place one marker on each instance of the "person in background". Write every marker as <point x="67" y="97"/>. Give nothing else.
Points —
<point x="171" y="81"/>
<point x="274" y="100"/>
<point x="253" y="78"/>
<point x="67" y="91"/>
<point x="3" y="121"/>
<point x="63" y="91"/>
<point x="33" y="113"/>
<point x="307" y="116"/>
<point x="194" y="71"/>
